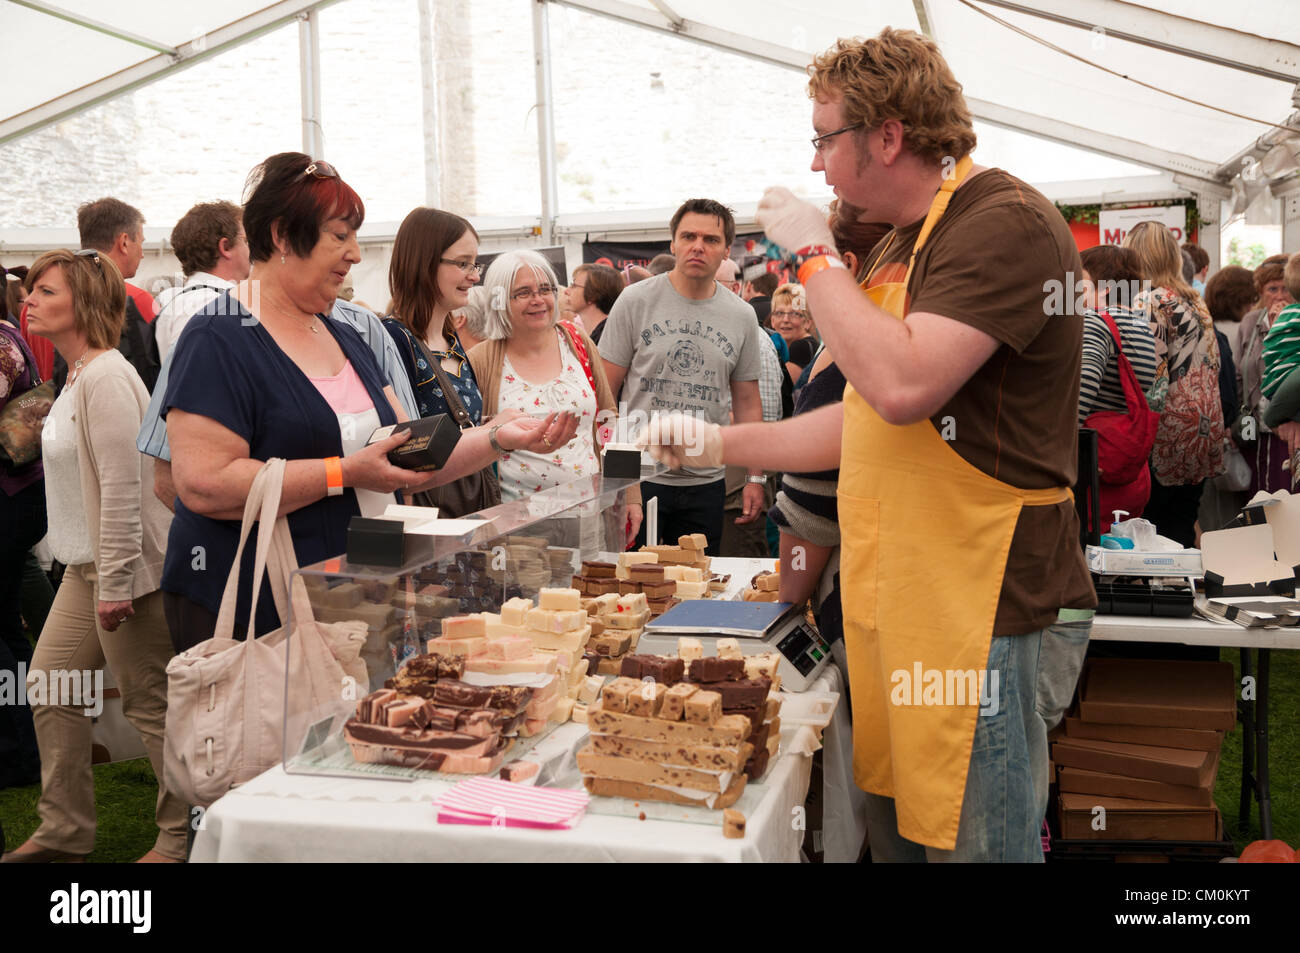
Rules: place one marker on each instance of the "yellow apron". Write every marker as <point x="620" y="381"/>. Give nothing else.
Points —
<point x="923" y="553"/>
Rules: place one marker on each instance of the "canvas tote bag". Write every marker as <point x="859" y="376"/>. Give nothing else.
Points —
<point x="226" y="699"/>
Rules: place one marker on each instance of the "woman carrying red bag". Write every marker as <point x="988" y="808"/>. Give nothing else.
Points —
<point x="1119" y="377"/>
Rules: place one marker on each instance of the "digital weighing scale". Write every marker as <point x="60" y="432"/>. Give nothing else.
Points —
<point x="758" y="627"/>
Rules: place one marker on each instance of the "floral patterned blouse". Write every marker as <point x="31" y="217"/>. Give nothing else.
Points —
<point x="428" y="393"/>
<point x="1190" y="437"/>
<point x="523" y="472"/>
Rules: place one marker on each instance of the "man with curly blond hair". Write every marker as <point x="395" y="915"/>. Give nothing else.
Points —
<point x="966" y="599"/>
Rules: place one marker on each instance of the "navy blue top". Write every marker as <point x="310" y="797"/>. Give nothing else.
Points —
<point x="227" y="367"/>
<point x="428" y="393"/>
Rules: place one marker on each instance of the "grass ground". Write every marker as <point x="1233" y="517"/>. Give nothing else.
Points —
<point x="125" y="792"/>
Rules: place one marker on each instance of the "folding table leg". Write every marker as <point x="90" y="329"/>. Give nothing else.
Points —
<point x="1261" y="755"/>
<point x="1246" y="709"/>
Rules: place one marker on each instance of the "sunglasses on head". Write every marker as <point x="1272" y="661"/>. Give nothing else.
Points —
<point x="93" y="255"/>
<point x="321" y="169"/>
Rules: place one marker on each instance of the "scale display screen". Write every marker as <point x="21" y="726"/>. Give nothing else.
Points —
<point x="803" y="648"/>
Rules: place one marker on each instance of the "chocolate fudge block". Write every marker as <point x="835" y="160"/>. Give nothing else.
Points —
<point x="593" y="569"/>
<point x="757" y="765"/>
<point x="646" y="572"/>
<point x="658" y="591"/>
<point x="433" y="666"/>
<point x="661" y="668"/>
<point x="461" y="695"/>
<point x="626" y="587"/>
<point x="717" y="670"/>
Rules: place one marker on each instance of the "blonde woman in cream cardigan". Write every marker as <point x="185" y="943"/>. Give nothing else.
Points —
<point x="532" y="364"/>
<point x="108" y="528"/>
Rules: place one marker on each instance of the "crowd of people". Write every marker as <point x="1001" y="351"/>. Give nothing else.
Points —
<point x="910" y="402"/>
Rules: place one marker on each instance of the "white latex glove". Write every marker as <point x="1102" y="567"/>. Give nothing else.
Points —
<point x="677" y="441"/>
<point x="791" y="222"/>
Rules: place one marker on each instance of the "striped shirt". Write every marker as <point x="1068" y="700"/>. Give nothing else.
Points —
<point x="1281" y="349"/>
<point x="807" y="506"/>
<point x="1099" y="383"/>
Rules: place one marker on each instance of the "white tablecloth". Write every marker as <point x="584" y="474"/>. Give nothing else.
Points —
<point x="292" y="818"/>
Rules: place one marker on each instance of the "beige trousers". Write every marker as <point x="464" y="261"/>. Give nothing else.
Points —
<point x="137" y="653"/>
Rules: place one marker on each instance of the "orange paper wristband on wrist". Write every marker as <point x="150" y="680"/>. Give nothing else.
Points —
<point x="333" y="476"/>
<point x="813" y="265"/>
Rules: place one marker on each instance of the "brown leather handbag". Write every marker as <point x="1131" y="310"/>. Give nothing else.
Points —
<point x="23" y="415"/>
<point x="474" y="491"/>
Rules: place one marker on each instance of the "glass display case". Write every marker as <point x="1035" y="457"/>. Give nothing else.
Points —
<point x="389" y="615"/>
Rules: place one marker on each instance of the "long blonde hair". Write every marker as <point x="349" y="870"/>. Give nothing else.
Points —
<point x="1160" y="258"/>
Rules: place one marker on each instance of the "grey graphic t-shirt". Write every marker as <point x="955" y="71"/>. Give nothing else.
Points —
<point x="681" y="354"/>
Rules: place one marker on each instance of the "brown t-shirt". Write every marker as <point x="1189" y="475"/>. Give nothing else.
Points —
<point x="987" y="263"/>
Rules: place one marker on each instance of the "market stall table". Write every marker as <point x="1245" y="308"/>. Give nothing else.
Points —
<point x="280" y="817"/>
<point x="1254" y="713"/>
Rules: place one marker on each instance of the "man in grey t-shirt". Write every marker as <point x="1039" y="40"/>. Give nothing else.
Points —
<point x="679" y="341"/>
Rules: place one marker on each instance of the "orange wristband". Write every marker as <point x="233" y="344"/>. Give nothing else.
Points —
<point x="333" y="476"/>
<point x="814" y="265"/>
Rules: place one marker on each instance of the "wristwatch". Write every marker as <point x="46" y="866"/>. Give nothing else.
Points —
<point x="492" y="439"/>
<point x="760" y="480"/>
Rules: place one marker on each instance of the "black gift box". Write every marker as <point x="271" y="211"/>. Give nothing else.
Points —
<point x="622" y="464"/>
<point x="431" y="442"/>
<point x="379" y="542"/>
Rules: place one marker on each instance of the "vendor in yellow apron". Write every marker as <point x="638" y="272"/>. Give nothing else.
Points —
<point x="922" y="559"/>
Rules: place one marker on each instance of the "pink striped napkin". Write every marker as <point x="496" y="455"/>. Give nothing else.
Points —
<point x="489" y="802"/>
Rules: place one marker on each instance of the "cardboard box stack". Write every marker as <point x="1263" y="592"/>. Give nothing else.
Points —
<point x="659" y="733"/>
<point x="1144" y="745"/>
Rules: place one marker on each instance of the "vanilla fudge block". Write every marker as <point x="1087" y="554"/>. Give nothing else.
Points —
<point x="769" y="582"/>
<point x="633" y="602"/>
<point x="727" y="731"/>
<point x="560" y="599"/>
<point x="464" y="627"/>
<point x="553" y="620"/>
<point x="691" y="574"/>
<point x="729" y="648"/>
<point x="695" y="541"/>
<point x="646" y="772"/>
<point x="566" y="660"/>
<point x="733" y="824"/>
<point x="466" y="647"/>
<point x="706" y="757"/>
<point x="591" y="686"/>
<point x="609" y="787"/>
<point x="763" y="665"/>
<point x="640" y="558"/>
<point x="689" y="649"/>
<point x="647" y="699"/>
<point x="607" y="603"/>
<point x="579" y="671"/>
<point x="537" y="663"/>
<point x="563" y="710"/>
<point x="615" y="694"/>
<point x="628" y="619"/>
<point x="533" y="726"/>
<point x="755" y="595"/>
<point x="508" y="647"/>
<point x="515" y="610"/>
<point x="501" y="630"/>
<point x="561" y="641"/>
<point x="674" y="704"/>
<point x="692" y="590"/>
<point x="597" y="625"/>
<point x="609" y="666"/>
<point x="551" y="688"/>
<point x="704" y="708"/>
<point x="579" y="713"/>
<point x="345" y="596"/>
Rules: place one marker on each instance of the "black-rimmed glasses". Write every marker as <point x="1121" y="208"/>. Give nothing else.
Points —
<point x="819" y="142"/>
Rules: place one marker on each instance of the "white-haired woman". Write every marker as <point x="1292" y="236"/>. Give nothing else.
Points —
<point x="790" y="319"/>
<point x="533" y="362"/>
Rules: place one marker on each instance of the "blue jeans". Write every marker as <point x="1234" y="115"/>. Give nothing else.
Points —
<point x="1006" y="787"/>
